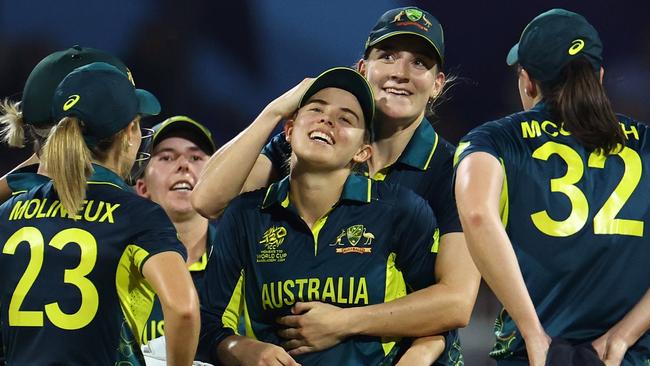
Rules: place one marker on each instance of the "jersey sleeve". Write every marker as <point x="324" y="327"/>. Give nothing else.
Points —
<point x="486" y="138"/>
<point x="440" y="195"/>
<point x="278" y="151"/>
<point x="416" y="245"/>
<point x="222" y="297"/>
<point x="154" y="233"/>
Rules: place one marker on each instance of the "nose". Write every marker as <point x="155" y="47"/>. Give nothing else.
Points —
<point x="327" y="119"/>
<point x="183" y="164"/>
<point x="400" y="70"/>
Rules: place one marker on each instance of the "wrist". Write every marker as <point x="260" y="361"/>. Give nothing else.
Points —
<point x="353" y="321"/>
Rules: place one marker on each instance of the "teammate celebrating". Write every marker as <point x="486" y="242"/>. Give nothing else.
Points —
<point x="553" y="205"/>
<point x="78" y="230"/>
<point x="180" y="149"/>
<point x="403" y="61"/>
<point x="320" y="233"/>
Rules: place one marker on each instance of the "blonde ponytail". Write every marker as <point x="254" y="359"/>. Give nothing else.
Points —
<point x="13" y="125"/>
<point x="67" y="161"/>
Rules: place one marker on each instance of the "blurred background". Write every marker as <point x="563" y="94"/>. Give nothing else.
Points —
<point x="221" y="62"/>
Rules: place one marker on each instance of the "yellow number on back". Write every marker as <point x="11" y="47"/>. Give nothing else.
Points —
<point x="566" y="185"/>
<point x="33" y="237"/>
<point x="76" y="276"/>
<point x="605" y="221"/>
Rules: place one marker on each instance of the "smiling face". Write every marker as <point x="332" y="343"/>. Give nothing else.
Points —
<point x="171" y="174"/>
<point x="403" y="73"/>
<point x="329" y="130"/>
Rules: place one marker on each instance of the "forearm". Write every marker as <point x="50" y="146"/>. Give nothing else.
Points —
<point x="181" y="336"/>
<point x="231" y="165"/>
<point x="635" y="323"/>
<point x="423" y="351"/>
<point x="229" y="350"/>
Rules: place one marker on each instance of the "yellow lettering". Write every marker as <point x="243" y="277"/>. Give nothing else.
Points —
<point x="564" y="132"/>
<point x="632" y="131"/>
<point x="40" y="213"/>
<point x="547" y="123"/>
<point x="78" y="216"/>
<point x="328" y="291"/>
<point x="52" y="206"/>
<point x="35" y="203"/>
<point x="276" y="296"/>
<point x="290" y="300"/>
<point x="530" y="130"/>
<point x="161" y="328"/>
<point x="266" y="300"/>
<point x="89" y="207"/>
<point x="18" y="210"/>
<point x="341" y="299"/>
<point x="108" y="215"/>
<point x="351" y="289"/>
<point x="301" y="282"/>
<point x="312" y="292"/>
<point x="362" y="292"/>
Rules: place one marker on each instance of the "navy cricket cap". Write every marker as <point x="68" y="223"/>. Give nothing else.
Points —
<point x="551" y="40"/>
<point x="48" y="73"/>
<point x="409" y="20"/>
<point x="103" y="98"/>
<point x="349" y="80"/>
<point x="187" y="128"/>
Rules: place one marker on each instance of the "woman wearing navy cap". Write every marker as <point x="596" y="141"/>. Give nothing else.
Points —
<point x="403" y="60"/>
<point x="554" y="206"/>
<point x="73" y="264"/>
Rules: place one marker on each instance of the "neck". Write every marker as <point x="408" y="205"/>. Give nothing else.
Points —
<point x="193" y="233"/>
<point x="313" y="194"/>
<point x="390" y="142"/>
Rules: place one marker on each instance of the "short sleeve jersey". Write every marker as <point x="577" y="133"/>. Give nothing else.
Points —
<point x="68" y="282"/>
<point x="376" y="244"/>
<point x="578" y="222"/>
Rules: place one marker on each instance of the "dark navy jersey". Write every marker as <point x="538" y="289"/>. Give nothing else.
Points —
<point x="155" y="326"/>
<point x="578" y="222"/>
<point x="375" y="245"/>
<point x="23" y="179"/>
<point x="425" y="167"/>
<point x="67" y="282"/>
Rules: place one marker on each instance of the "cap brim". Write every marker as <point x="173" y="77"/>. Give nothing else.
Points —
<point x="349" y="80"/>
<point x="397" y="33"/>
<point x="513" y="55"/>
<point x="148" y="104"/>
<point x="196" y="132"/>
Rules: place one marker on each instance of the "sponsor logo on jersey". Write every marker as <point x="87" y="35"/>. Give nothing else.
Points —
<point x="271" y="241"/>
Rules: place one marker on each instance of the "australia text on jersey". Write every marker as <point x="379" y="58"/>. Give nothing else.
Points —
<point x="37" y="208"/>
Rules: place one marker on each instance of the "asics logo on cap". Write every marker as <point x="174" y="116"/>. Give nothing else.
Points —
<point x="576" y="46"/>
<point x="72" y="100"/>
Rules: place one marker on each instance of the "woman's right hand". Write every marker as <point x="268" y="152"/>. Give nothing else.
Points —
<point x="287" y="104"/>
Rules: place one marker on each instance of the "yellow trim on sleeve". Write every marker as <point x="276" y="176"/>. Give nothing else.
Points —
<point x="503" y="199"/>
<point x="231" y="313"/>
<point x="395" y="288"/>
<point x="433" y="149"/>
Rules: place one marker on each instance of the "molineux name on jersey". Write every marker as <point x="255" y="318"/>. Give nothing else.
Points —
<point x="276" y="295"/>
<point x="535" y="128"/>
<point x="38" y="208"/>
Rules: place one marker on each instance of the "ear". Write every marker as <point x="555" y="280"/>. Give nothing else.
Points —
<point x="363" y="154"/>
<point x="361" y="67"/>
<point x="530" y="87"/>
<point x="438" y="84"/>
<point x="288" y="129"/>
<point x="141" y="189"/>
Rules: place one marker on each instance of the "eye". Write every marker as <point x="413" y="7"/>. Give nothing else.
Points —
<point x="346" y="120"/>
<point x="165" y="157"/>
<point x="196" y="158"/>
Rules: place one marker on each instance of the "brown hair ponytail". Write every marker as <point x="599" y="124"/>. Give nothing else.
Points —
<point x="67" y="160"/>
<point x="579" y="100"/>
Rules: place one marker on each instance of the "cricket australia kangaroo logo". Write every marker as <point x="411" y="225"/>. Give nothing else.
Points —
<point x="348" y="239"/>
